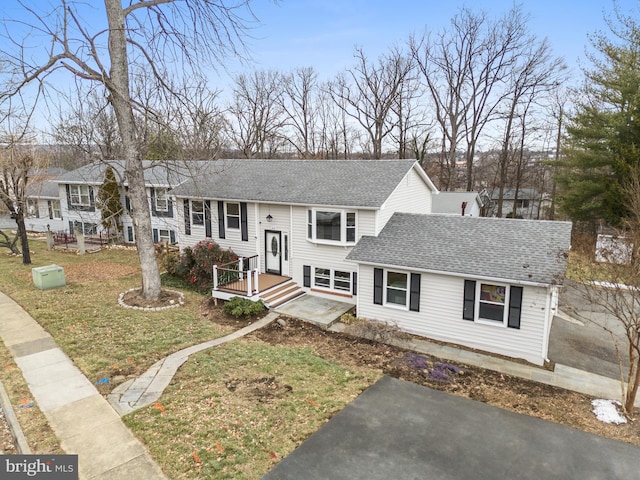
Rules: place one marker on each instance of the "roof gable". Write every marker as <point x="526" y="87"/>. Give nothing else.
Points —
<point x="518" y="250"/>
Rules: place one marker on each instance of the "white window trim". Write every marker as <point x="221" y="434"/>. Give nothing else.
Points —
<point x="164" y="238"/>
<point x="194" y="212"/>
<point x="385" y="286"/>
<point x="56" y="209"/>
<point x="80" y="194"/>
<point x="161" y="194"/>
<point x="505" y="312"/>
<point x="332" y="279"/>
<point x="227" y="215"/>
<point x="343" y="227"/>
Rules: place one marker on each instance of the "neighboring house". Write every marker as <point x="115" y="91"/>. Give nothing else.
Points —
<point x="530" y="203"/>
<point x="79" y="188"/>
<point x="300" y="218"/>
<point x="44" y="210"/>
<point x="467" y="204"/>
<point x="485" y="283"/>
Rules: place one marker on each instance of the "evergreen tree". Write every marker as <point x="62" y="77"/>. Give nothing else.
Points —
<point x="604" y="133"/>
<point x="109" y="201"/>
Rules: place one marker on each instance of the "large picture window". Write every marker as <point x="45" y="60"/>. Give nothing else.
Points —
<point x="335" y="226"/>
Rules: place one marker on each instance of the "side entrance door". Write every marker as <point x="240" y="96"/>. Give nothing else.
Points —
<point x="273" y="252"/>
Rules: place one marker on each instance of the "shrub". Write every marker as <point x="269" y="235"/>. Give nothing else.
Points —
<point x="243" y="307"/>
<point x="195" y="265"/>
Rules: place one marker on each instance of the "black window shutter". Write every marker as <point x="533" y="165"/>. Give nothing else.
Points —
<point x="515" y="307"/>
<point x="354" y="283"/>
<point x="207" y="219"/>
<point x="306" y="269"/>
<point x="50" y="208"/>
<point x="172" y="236"/>
<point x="244" y="229"/>
<point x="468" y="311"/>
<point x="378" y="277"/>
<point x="221" y="219"/>
<point x="71" y="228"/>
<point x="414" y="293"/>
<point x="169" y="205"/>
<point x="155" y="235"/>
<point x="69" y="199"/>
<point x="130" y="233"/>
<point x="154" y="212"/>
<point x="92" y="201"/>
<point x="187" y="217"/>
<point x="127" y="203"/>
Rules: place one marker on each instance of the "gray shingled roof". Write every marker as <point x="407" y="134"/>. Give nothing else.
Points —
<point x="43" y="189"/>
<point x="357" y="183"/>
<point x="160" y="174"/>
<point x="498" y="248"/>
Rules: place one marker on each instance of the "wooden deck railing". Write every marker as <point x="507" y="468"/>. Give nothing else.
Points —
<point x="239" y="276"/>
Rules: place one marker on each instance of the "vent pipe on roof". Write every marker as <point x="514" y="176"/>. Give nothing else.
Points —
<point x="464" y="206"/>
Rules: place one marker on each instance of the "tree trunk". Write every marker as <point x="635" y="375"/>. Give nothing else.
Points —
<point x="118" y="86"/>
<point x="24" y="240"/>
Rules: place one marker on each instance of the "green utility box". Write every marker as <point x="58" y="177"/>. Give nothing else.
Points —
<point x="50" y="276"/>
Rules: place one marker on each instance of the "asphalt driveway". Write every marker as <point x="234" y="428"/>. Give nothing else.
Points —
<point x="576" y="339"/>
<point x="397" y="429"/>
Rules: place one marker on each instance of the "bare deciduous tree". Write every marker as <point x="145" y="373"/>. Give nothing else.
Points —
<point x="617" y="294"/>
<point x="148" y="35"/>
<point x="257" y="114"/>
<point x="297" y="99"/>
<point x="368" y="91"/>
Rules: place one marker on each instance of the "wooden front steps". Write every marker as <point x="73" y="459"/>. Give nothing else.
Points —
<point x="281" y="294"/>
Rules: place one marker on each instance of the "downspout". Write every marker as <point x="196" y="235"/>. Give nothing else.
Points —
<point x="551" y="305"/>
<point x="464" y="206"/>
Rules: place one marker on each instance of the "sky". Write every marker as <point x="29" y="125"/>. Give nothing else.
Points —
<point x="323" y="33"/>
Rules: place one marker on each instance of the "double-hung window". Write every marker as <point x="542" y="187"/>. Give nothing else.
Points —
<point x="331" y="226"/>
<point x="491" y="302"/>
<point x="79" y="195"/>
<point x="197" y="212"/>
<point x="396" y="286"/>
<point x="162" y="200"/>
<point x="233" y="215"/>
<point x="55" y="211"/>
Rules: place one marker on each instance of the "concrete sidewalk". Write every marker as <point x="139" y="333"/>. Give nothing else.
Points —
<point x="82" y="419"/>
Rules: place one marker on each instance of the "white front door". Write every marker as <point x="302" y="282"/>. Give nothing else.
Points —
<point x="273" y="252"/>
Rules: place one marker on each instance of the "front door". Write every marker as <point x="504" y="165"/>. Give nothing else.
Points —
<point x="273" y="252"/>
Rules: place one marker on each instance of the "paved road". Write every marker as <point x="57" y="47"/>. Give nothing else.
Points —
<point x="401" y="430"/>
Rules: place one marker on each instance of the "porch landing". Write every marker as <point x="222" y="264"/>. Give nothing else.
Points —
<point x="319" y="311"/>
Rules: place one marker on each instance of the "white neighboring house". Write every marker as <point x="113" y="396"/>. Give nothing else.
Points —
<point x="485" y="283"/>
<point x="44" y="210"/>
<point x="78" y="189"/>
<point x="466" y="204"/>
<point x="299" y="218"/>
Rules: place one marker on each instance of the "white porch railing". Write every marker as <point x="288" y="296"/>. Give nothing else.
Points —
<point x="239" y="276"/>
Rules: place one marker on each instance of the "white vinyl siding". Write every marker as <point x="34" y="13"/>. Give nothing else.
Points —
<point x="412" y="195"/>
<point x="440" y="317"/>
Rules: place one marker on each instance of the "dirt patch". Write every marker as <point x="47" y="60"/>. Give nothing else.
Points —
<point x="167" y="298"/>
<point x="78" y="273"/>
<point x="263" y="390"/>
<point x="504" y="391"/>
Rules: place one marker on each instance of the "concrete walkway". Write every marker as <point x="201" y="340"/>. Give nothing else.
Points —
<point x="563" y="376"/>
<point x="82" y="419"/>
<point x="148" y="387"/>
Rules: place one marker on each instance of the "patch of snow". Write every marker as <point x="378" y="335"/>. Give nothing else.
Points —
<point x="607" y="411"/>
